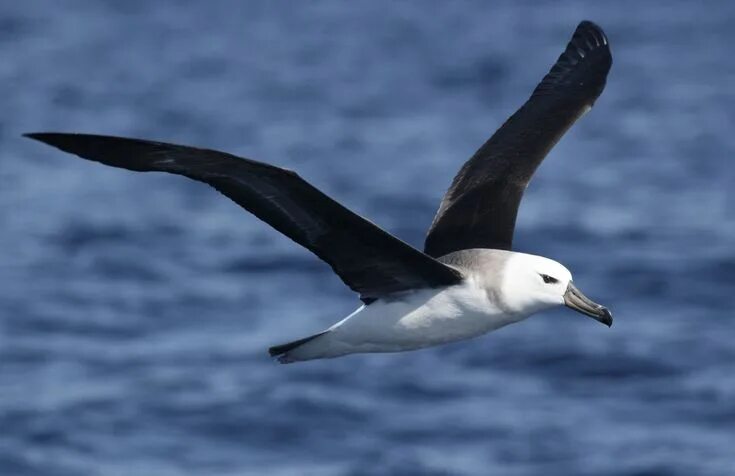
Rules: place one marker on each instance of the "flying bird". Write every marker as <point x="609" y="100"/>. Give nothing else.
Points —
<point x="467" y="281"/>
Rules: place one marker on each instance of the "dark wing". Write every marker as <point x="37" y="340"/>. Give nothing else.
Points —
<point x="480" y="208"/>
<point x="368" y="259"/>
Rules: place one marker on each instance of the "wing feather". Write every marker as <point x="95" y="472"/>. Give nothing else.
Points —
<point x="369" y="260"/>
<point x="479" y="210"/>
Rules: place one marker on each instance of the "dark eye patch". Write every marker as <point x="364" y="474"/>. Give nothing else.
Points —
<point x="548" y="279"/>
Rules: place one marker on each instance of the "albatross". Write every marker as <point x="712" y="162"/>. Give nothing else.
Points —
<point x="467" y="281"/>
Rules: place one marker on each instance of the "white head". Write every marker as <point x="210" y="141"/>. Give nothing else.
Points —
<point x="533" y="283"/>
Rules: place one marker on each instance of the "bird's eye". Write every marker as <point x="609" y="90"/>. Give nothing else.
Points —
<point x="548" y="279"/>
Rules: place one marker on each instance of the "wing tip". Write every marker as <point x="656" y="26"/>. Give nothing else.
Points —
<point x="109" y="150"/>
<point x="35" y="135"/>
<point x="588" y="44"/>
<point x="587" y="38"/>
<point x="588" y="27"/>
<point x="55" y="139"/>
<point x="584" y="64"/>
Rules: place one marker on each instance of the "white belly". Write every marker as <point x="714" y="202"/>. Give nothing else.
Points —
<point x="420" y="319"/>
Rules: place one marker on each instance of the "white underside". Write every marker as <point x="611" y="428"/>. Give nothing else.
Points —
<point x="414" y="320"/>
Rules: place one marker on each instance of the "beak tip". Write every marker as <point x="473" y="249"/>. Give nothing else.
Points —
<point x="574" y="299"/>
<point x="607" y="318"/>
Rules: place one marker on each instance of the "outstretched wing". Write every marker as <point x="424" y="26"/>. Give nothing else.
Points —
<point x="369" y="260"/>
<point x="480" y="208"/>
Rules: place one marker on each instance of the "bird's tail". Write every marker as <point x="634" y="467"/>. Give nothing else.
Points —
<point x="288" y="353"/>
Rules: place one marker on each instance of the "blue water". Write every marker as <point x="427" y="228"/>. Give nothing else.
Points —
<point x="136" y="309"/>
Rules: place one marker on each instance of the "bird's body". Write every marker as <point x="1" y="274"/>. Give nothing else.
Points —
<point x="420" y="318"/>
<point x="467" y="281"/>
<point x="417" y="319"/>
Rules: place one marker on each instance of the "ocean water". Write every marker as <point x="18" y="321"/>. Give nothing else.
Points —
<point x="136" y="309"/>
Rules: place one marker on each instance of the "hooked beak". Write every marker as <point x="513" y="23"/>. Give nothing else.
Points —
<point x="573" y="298"/>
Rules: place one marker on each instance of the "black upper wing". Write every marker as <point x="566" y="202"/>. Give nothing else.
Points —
<point x="368" y="259"/>
<point x="480" y="208"/>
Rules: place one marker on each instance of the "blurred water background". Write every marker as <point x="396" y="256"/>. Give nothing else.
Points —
<point x="136" y="309"/>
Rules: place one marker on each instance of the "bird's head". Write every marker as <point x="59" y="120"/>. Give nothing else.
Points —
<point x="534" y="283"/>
